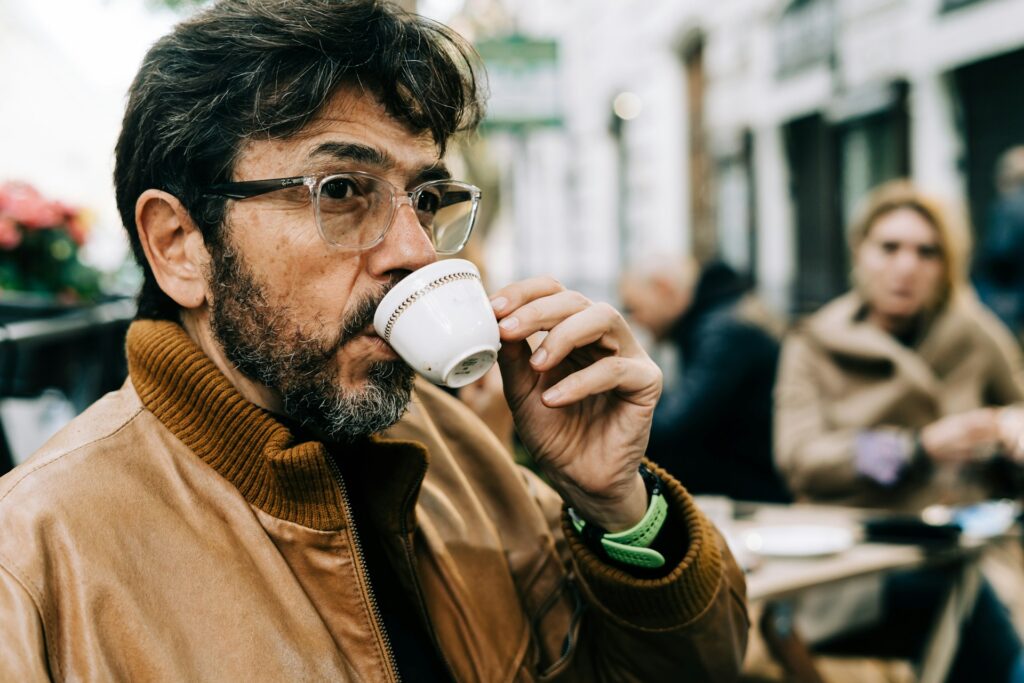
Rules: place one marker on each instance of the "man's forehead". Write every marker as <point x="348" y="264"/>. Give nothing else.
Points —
<point x="353" y="112"/>
<point x="352" y="128"/>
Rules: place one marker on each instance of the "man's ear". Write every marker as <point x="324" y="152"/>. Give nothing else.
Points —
<point x="174" y="247"/>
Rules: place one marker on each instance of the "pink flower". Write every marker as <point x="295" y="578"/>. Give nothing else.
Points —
<point x="23" y="203"/>
<point x="10" y="235"/>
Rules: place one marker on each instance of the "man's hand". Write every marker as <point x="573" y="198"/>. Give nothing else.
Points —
<point x="582" y="400"/>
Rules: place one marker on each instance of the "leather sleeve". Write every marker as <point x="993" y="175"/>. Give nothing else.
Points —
<point x="21" y="634"/>
<point x="690" y="625"/>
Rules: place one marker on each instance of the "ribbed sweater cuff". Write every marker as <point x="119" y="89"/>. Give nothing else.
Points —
<point x="664" y="603"/>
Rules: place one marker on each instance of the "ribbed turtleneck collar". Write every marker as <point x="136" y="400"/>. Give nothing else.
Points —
<point x="273" y="469"/>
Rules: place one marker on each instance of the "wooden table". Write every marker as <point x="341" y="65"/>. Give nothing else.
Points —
<point x="775" y="582"/>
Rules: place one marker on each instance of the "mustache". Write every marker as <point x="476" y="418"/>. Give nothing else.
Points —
<point x="362" y="312"/>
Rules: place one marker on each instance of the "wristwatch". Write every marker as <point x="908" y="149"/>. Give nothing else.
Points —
<point x="631" y="546"/>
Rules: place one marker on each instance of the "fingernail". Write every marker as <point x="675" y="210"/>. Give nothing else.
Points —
<point x="552" y="395"/>
<point x="499" y="304"/>
<point x="539" y="357"/>
<point x="509" y="323"/>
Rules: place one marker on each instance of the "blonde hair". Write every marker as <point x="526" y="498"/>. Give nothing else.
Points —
<point x="950" y="228"/>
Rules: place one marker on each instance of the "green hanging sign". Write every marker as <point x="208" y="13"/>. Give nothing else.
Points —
<point x="524" y="81"/>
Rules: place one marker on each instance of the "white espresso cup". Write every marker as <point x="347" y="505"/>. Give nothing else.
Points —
<point x="440" y="321"/>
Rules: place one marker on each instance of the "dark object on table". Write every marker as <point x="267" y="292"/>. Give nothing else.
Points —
<point x="910" y="529"/>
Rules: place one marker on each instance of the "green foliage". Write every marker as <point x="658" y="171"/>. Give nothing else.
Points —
<point x="39" y="242"/>
<point x="46" y="262"/>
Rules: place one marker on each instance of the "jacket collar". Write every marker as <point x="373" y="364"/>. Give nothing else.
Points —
<point x="274" y="469"/>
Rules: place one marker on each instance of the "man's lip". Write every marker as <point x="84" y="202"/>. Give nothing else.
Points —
<point x="372" y="336"/>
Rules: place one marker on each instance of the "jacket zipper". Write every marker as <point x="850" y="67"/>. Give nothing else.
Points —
<point x="409" y="559"/>
<point x="361" y="568"/>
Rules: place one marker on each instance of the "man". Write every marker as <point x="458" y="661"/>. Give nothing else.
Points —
<point x="246" y="507"/>
<point x="713" y="425"/>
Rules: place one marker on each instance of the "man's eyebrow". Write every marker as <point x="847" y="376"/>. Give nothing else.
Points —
<point x="433" y="172"/>
<point x="371" y="156"/>
<point x="355" y="152"/>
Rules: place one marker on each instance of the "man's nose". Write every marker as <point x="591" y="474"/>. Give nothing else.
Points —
<point x="406" y="246"/>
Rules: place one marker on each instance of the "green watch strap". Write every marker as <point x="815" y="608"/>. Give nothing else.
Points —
<point x="632" y="545"/>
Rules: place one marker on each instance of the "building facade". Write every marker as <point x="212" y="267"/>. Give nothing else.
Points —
<point x="752" y="130"/>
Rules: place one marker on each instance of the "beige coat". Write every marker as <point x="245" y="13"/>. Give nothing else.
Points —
<point x="840" y="375"/>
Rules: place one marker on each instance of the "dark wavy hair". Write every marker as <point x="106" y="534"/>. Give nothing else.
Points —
<point x="244" y="69"/>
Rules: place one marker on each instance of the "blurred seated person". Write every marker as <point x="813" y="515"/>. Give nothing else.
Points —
<point x="891" y="396"/>
<point x="998" y="271"/>
<point x="713" y="425"/>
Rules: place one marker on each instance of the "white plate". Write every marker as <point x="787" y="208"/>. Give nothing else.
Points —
<point x="797" y="540"/>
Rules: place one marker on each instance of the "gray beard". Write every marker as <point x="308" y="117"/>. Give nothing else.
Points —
<point x="264" y="343"/>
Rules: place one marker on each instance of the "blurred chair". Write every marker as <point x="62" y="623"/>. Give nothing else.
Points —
<point x="79" y="351"/>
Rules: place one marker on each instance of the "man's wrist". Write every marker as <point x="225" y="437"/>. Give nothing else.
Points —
<point x="630" y="546"/>
<point x="613" y="515"/>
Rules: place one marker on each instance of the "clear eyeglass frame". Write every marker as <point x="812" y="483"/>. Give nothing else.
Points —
<point x="448" y="236"/>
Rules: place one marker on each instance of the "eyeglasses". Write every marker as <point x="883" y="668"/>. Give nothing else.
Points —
<point x="355" y="210"/>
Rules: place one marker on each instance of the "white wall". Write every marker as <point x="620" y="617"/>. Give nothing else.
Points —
<point x="878" y="41"/>
<point x="606" y="48"/>
<point x="64" y="68"/>
<point x="610" y="46"/>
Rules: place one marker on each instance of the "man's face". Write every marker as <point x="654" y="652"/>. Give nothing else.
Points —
<point x="640" y="303"/>
<point x="655" y="302"/>
<point x="295" y="313"/>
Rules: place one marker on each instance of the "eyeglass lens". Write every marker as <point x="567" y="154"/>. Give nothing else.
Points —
<point x="356" y="210"/>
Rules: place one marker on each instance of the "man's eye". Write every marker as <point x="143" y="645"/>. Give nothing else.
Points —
<point x="429" y="202"/>
<point x="339" y="188"/>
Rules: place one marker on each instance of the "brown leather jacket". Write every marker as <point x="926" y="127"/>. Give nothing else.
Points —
<point x="176" y="532"/>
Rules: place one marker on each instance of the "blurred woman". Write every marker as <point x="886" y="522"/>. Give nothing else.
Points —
<point x="890" y="395"/>
<point x="894" y="396"/>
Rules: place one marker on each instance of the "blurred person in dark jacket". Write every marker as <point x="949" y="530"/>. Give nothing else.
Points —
<point x="713" y="425"/>
<point x="999" y="269"/>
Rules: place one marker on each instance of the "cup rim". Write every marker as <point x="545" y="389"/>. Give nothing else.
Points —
<point x="414" y="286"/>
